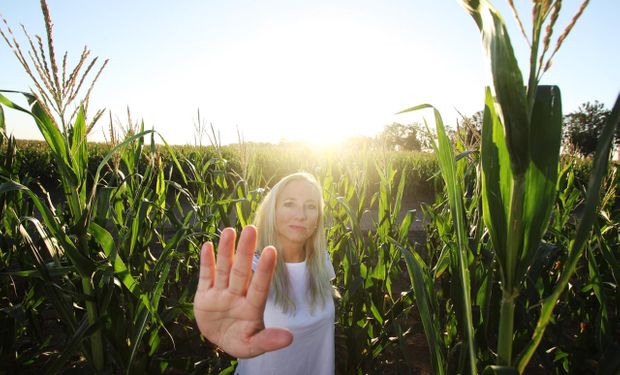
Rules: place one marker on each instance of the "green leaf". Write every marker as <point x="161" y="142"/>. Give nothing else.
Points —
<point x="52" y="135"/>
<point x="83" y="264"/>
<point x="447" y="163"/>
<point x="136" y="339"/>
<point x="422" y="284"/>
<point x="508" y="85"/>
<point x="496" y="179"/>
<point x="52" y="269"/>
<point x="106" y="241"/>
<point x="542" y="173"/>
<point x="405" y="225"/>
<point x="104" y="162"/>
<point x="375" y="312"/>
<point x="415" y="108"/>
<point x="49" y="130"/>
<point x="53" y="293"/>
<point x="599" y="171"/>
<point x="7" y="102"/>
<point x="174" y="159"/>
<point x="59" y="150"/>
<point x="78" y="151"/>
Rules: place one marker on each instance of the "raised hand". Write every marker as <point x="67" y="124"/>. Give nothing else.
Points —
<point x="230" y="302"/>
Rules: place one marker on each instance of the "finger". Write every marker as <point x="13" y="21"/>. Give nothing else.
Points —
<point x="259" y="287"/>
<point x="224" y="258"/>
<point x="241" y="269"/>
<point x="207" y="267"/>
<point x="270" y="339"/>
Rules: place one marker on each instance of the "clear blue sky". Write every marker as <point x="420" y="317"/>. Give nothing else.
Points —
<point x="313" y="70"/>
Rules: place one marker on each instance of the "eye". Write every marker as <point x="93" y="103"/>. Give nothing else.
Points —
<point x="311" y="206"/>
<point x="289" y="204"/>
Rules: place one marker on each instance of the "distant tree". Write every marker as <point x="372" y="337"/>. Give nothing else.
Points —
<point x="427" y="137"/>
<point x="359" y="142"/>
<point x="401" y="137"/>
<point x="583" y="128"/>
<point x="469" y="131"/>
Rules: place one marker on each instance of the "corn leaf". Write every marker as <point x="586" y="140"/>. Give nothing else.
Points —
<point x="106" y="241"/>
<point x="78" y="151"/>
<point x="496" y="179"/>
<point x="422" y="285"/>
<point x="599" y="170"/>
<point x="542" y="173"/>
<point x="48" y="129"/>
<point x="55" y="296"/>
<point x="508" y="85"/>
<point x="83" y="265"/>
<point x="55" y="140"/>
<point x="104" y="162"/>
<point x="174" y="159"/>
<point x="445" y="156"/>
<point x="163" y="264"/>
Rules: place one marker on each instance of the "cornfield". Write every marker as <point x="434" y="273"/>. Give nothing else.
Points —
<point x="516" y="271"/>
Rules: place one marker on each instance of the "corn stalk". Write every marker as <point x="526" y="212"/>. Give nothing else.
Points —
<point x="460" y="252"/>
<point x="520" y="155"/>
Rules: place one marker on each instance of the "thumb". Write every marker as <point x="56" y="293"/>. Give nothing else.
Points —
<point x="270" y="339"/>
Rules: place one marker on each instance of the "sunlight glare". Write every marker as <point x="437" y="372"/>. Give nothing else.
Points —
<point x="318" y="80"/>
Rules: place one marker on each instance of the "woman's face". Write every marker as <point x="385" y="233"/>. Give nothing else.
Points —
<point x="297" y="213"/>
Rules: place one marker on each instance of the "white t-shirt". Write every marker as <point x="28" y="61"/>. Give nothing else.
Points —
<point x="312" y="350"/>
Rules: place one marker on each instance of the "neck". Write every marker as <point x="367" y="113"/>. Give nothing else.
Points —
<point x="294" y="254"/>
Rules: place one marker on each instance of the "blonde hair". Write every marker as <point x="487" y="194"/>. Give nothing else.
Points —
<point x="315" y="247"/>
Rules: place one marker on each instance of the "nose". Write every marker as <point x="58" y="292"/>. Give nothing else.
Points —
<point x="301" y="213"/>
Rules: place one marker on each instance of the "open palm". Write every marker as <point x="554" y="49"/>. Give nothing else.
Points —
<point x="230" y="302"/>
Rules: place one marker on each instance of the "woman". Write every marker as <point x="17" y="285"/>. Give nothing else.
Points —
<point x="280" y="319"/>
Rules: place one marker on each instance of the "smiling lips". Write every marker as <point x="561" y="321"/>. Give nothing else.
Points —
<point x="298" y="228"/>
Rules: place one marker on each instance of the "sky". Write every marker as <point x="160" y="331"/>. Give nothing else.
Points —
<point x="317" y="71"/>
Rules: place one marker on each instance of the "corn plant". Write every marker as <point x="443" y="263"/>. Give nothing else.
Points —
<point x="519" y="168"/>
<point x="76" y="227"/>
<point x="459" y="254"/>
<point x="588" y="308"/>
<point x="72" y="159"/>
<point x="346" y="243"/>
<point x="520" y="154"/>
<point x="121" y="251"/>
<point x="371" y="308"/>
<point x="15" y="310"/>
